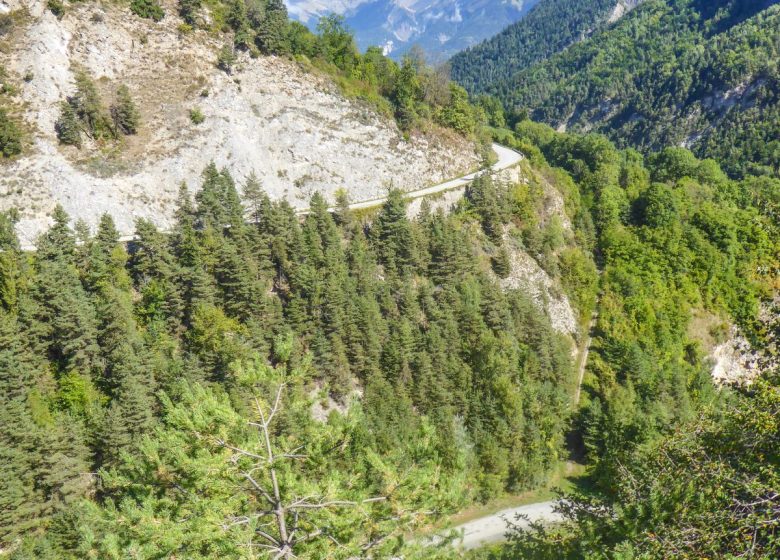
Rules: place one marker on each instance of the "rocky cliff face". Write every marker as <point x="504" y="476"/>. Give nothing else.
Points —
<point x="290" y="126"/>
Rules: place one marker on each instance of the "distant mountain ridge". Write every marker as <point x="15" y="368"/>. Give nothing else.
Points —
<point x="440" y="27"/>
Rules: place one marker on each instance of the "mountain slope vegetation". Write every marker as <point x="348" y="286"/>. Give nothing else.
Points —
<point x="399" y="362"/>
<point x="129" y="373"/>
<point x="253" y="382"/>
<point x="550" y="27"/>
<point x="708" y="490"/>
<point x="672" y="72"/>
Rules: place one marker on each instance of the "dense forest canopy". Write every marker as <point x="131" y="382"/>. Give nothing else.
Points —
<point x="671" y="72"/>
<point x="144" y="364"/>
<point x="550" y="27"/>
<point x="134" y="363"/>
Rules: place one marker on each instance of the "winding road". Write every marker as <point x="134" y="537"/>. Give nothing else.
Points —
<point x="493" y="528"/>
<point x="506" y="158"/>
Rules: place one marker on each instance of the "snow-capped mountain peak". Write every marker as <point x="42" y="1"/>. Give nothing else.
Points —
<point x="440" y="27"/>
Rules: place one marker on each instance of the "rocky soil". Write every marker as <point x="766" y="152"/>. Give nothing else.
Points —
<point x="289" y="125"/>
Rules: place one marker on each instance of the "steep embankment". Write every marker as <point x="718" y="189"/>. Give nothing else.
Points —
<point x="293" y="128"/>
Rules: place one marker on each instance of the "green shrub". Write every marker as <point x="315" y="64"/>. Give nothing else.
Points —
<point x="226" y="58"/>
<point x="56" y="7"/>
<point x="10" y="136"/>
<point x="196" y="115"/>
<point x="188" y="10"/>
<point x="124" y="112"/>
<point x="147" y="9"/>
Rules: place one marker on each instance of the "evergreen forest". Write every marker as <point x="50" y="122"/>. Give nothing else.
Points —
<point x="260" y="382"/>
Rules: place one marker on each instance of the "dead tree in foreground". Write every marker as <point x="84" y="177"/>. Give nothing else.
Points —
<point x="286" y="519"/>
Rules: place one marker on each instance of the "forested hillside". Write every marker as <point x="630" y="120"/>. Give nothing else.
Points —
<point x="678" y="468"/>
<point x="675" y="235"/>
<point x="549" y="28"/>
<point x="708" y="490"/>
<point x="393" y="377"/>
<point x="672" y="72"/>
<point x="259" y="382"/>
<point x="129" y="374"/>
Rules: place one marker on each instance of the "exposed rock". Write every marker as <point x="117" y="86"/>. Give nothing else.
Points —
<point x="552" y="204"/>
<point x="444" y="201"/>
<point x="290" y="126"/>
<point x="734" y="361"/>
<point x="737" y="361"/>
<point x="622" y="7"/>
<point x="526" y="275"/>
<point x="323" y="404"/>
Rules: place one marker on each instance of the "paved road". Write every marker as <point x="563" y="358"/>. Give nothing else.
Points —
<point x="506" y="158"/>
<point x="493" y="528"/>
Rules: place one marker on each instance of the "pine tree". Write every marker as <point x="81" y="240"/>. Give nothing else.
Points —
<point x="188" y="10"/>
<point x="196" y="285"/>
<point x="241" y="293"/>
<point x="147" y="9"/>
<point x="343" y="214"/>
<point x="107" y="258"/>
<point x="226" y="58"/>
<point x="68" y="127"/>
<point x="258" y="203"/>
<point x="58" y="242"/>
<point x="155" y="274"/>
<point x="500" y="262"/>
<point x="272" y="32"/>
<point x="22" y="504"/>
<point x="237" y="19"/>
<point x="487" y="200"/>
<point x="65" y="467"/>
<point x="89" y="109"/>
<point x="124" y="112"/>
<point x="11" y="262"/>
<point x="10" y="136"/>
<point x="392" y="234"/>
<point x="218" y="203"/>
<point x="62" y="312"/>
<point x="406" y="94"/>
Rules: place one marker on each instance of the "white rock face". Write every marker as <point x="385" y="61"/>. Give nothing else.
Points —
<point x="737" y="362"/>
<point x="291" y="127"/>
<point x="526" y="275"/>
<point x="622" y="7"/>
<point x="733" y="361"/>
